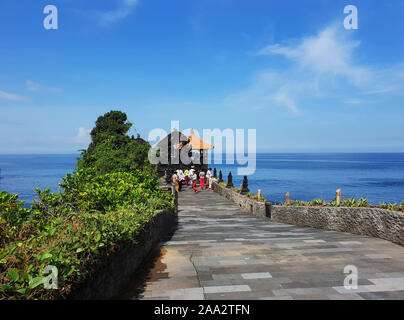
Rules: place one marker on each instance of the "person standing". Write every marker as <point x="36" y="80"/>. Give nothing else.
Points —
<point x="209" y="178"/>
<point x="186" y="178"/>
<point x="176" y="182"/>
<point x="194" y="181"/>
<point x="181" y="178"/>
<point x="202" y="179"/>
<point x="191" y="173"/>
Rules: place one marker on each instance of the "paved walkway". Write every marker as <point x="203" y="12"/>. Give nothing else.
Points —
<point x="221" y="252"/>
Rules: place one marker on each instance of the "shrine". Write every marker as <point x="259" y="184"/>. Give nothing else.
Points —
<point x="182" y="152"/>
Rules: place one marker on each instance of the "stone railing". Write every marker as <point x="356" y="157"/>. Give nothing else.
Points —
<point x="374" y="222"/>
<point x="258" y="208"/>
<point x="380" y="223"/>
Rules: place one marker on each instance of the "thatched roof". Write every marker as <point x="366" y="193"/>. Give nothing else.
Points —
<point x="198" y="144"/>
<point x="176" y="137"/>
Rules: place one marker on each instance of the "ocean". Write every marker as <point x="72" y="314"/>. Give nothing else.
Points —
<point x="379" y="177"/>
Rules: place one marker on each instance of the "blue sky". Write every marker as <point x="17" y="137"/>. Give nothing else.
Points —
<point x="286" y="68"/>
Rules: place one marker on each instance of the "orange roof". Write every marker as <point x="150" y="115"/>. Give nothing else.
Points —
<point x="198" y="144"/>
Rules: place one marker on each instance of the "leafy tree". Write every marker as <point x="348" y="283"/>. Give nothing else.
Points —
<point x="111" y="149"/>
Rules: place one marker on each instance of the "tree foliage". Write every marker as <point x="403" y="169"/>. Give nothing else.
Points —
<point x="111" y="149"/>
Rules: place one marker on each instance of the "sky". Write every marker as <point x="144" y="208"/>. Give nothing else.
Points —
<point x="288" y="69"/>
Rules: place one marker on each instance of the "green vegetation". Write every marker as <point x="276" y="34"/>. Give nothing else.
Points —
<point x="111" y="149"/>
<point x="100" y="208"/>
<point x="254" y="197"/>
<point x="351" y="203"/>
<point x="85" y="191"/>
<point x="249" y="194"/>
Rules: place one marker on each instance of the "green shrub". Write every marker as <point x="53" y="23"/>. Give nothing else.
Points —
<point x="352" y="203"/>
<point x="12" y="216"/>
<point x="74" y="243"/>
<point x="74" y="230"/>
<point x="84" y="190"/>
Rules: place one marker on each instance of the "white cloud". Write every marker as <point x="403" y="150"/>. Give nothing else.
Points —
<point x="283" y="99"/>
<point x="12" y="97"/>
<point x="329" y="53"/>
<point x="125" y="9"/>
<point x="36" y="87"/>
<point x="320" y="66"/>
<point x="83" y="136"/>
<point x="356" y="101"/>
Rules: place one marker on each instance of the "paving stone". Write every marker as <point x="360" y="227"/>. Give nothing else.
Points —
<point x="277" y="298"/>
<point x="221" y="289"/>
<point x="383" y="295"/>
<point x="188" y="297"/>
<point x="220" y="252"/>
<point x="212" y="283"/>
<point x="314" y="241"/>
<point x="226" y="276"/>
<point x="303" y="291"/>
<point x="348" y="296"/>
<point x="257" y="275"/>
<point x="379" y="256"/>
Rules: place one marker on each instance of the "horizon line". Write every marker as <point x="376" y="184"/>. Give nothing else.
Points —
<point x="266" y="152"/>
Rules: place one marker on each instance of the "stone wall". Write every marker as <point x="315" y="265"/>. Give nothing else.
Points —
<point x="380" y="223"/>
<point x="113" y="275"/>
<point x="257" y="208"/>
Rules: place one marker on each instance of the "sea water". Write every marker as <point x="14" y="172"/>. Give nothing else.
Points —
<point x="379" y="177"/>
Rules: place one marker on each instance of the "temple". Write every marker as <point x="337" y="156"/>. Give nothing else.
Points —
<point x="174" y="145"/>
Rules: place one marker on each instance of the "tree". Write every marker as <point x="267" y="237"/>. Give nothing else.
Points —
<point x="111" y="149"/>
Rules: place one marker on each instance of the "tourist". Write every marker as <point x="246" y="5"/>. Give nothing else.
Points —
<point x="194" y="180"/>
<point x="202" y="179"/>
<point x="181" y="178"/>
<point x="176" y="182"/>
<point x="186" y="178"/>
<point x="191" y="173"/>
<point x="209" y="178"/>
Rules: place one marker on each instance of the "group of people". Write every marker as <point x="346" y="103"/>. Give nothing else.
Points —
<point x="190" y="178"/>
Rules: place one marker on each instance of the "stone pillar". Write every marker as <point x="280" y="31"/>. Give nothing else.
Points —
<point x="220" y="176"/>
<point x="229" y="181"/>
<point x="244" y="188"/>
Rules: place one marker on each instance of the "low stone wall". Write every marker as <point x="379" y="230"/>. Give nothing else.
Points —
<point x="380" y="223"/>
<point x="262" y="209"/>
<point x="114" y="274"/>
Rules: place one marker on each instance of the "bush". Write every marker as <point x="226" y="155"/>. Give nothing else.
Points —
<point x="12" y="216"/>
<point x="74" y="230"/>
<point x="74" y="243"/>
<point x="85" y="191"/>
<point x="349" y="203"/>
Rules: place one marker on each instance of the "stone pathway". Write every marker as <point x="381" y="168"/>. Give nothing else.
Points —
<point x="220" y="252"/>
